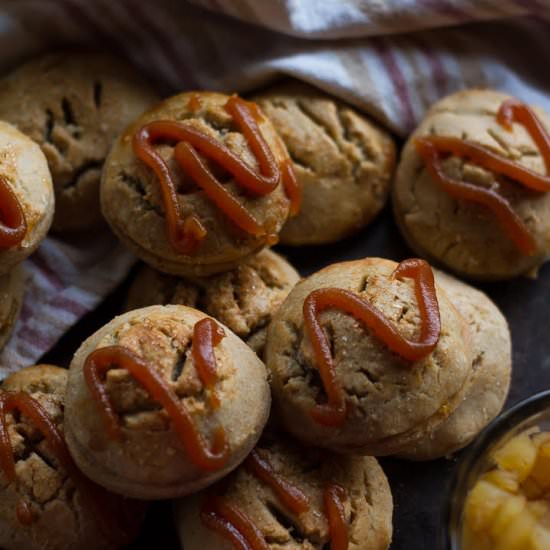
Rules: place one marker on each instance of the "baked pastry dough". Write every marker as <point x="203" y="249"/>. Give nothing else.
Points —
<point x="73" y="104"/>
<point x="491" y="371"/>
<point x="26" y="197"/>
<point x="151" y="456"/>
<point x="243" y="299"/>
<point x="49" y="505"/>
<point x="342" y="160"/>
<point x="390" y="403"/>
<point x="364" y="491"/>
<point x="184" y="230"/>
<point x="463" y="236"/>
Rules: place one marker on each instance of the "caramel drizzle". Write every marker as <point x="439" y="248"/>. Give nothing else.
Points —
<point x="13" y="225"/>
<point x="195" y="103"/>
<point x="334" y="411"/>
<point x="186" y="234"/>
<point x="292" y="187"/>
<point x="112" y="512"/>
<point x="206" y="334"/>
<point x="295" y="500"/>
<point x="28" y="406"/>
<point x="233" y="524"/>
<point x="431" y="148"/>
<point x="24" y="513"/>
<point x="334" y="497"/>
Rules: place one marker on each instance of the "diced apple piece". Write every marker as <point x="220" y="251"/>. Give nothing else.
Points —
<point x="544" y="449"/>
<point x="507" y="481"/>
<point x="531" y="489"/>
<point x="540" y="473"/>
<point x="476" y="541"/>
<point x="544" y="521"/>
<point x="515" y="533"/>
<point x="481" y="505"/>
<point x="538" y="508"/>
<point x="513" y="506"/>
<point x="540" y="438"/>
<point x="517" y="455"/>
<point x="540" y="538"/>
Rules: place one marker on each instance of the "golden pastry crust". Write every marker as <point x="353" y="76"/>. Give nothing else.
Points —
<point x="73" y="104"/>
<point x="462" y="236"/>
<point x="368" y="509"/>
<point x="492" y="368"/>
<point x="12" y="289"/>
<point x="392" y="403"/>
<point x="343" y="161"/>
<point x="243" y="299"/>
<point x="131" y="199"/>
<point x="61" y="521"/>
<point x="25" y="169"/>
<point x="151" y="462"/>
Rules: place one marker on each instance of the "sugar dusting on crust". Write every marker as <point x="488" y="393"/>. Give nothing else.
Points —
<point x="165" y="343"/>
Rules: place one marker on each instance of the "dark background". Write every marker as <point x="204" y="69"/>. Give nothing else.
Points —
<point x="420" y="490"/>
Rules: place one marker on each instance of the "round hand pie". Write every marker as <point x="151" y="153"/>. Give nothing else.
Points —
<point x="74" y="104"/>
<point x="284" y="496"/>
<point x="163" y="401"/>
<point x="198" y="184"/>
<point x="342" y="161"/>
<point x="492" y="367"/>
<point x="472" y="190"/>
<point x="367" y="357"/>
<point x="45" y="501"/>
<point x="26" y="197"/>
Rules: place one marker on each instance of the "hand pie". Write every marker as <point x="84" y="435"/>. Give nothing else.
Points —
<point x="367" y="357"/>
<point x="163" y="401"/>
<point x="285" y="496"/>
<point x="74" y="104"/>
<point x="198" y="184"/>
<point x="45" y="501"/>
<point x="472" y="191"/>
<point x="26" y="197"/>
<point x="343" y="162"/>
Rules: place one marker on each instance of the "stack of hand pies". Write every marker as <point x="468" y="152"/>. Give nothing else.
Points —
<point x="367" y="358"/>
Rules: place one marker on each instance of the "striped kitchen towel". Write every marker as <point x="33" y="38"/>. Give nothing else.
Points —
<point x="390" y="58"/>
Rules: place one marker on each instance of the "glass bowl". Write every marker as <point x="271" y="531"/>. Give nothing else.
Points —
<point x="533" y="411"/>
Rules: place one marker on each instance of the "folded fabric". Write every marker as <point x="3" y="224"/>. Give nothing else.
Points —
<point x="347" y="47"/>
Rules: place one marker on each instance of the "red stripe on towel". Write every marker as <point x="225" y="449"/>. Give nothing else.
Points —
<point x="399" y="82"/>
